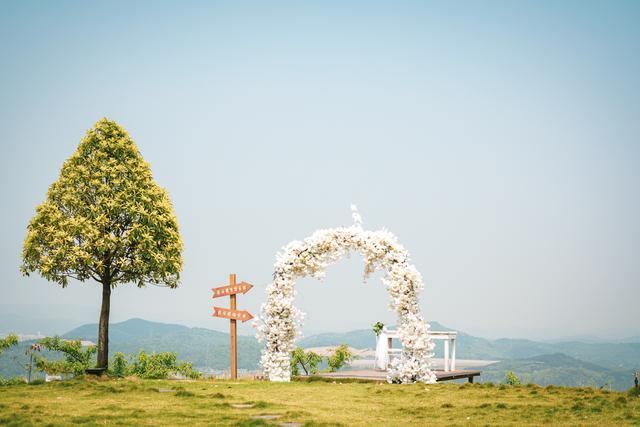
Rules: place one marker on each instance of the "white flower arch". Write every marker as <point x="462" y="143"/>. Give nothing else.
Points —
<point x="279" y="319"/>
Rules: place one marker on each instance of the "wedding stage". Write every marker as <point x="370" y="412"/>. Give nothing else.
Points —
<point x="378" y="375"/>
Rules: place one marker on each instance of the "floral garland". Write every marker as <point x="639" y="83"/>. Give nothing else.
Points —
<point x="279" y="319"/>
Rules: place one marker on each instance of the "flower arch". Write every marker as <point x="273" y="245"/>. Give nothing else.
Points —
<point x="279" y="320"/>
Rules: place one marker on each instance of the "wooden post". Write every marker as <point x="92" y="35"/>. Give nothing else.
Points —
<point x="232" y="332"/>
<point x="231" y="313"/>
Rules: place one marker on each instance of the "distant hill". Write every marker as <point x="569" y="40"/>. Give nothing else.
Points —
<point x="609" y="355"/>
<point x="360" y="338"/>
<point x="558" y="368"/>
<point x="203" y="347"/>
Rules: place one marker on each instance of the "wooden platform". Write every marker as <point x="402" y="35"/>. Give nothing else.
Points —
<point x="375" y="375"/>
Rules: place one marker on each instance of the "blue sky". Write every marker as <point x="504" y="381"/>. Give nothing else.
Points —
<point x="498" y="140"/>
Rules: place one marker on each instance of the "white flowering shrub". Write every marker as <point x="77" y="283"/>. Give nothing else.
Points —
<point x="279" y="319"/>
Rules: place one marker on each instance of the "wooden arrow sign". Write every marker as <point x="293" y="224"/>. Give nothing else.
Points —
<point x="228" y="313"/>
<point x="223" y="291"/>
<point x="233" y="315"/>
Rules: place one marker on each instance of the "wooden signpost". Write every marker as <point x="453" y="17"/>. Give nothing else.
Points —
<point x="232" y="314"/>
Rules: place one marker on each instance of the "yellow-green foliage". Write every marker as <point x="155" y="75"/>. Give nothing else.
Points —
<point x="8" y="341"/>
<point x="160" y="365"/>
<point x="105" y="218"/>
<point x="76" y="358"/>
<point x="233" y="403"/>
<point x="341" y="356"/>
<point x="308" y="360"/>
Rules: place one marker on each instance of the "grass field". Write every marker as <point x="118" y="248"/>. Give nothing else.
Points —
<point x="202" y="402"/>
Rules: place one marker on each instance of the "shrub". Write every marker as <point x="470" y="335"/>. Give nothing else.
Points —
<point x="118" y="367"/>
<point x="12" y="381"/>
<point x="154" y="365"/>
<point x="160" y="365"/>
<point x="186" y="369"/>
<point x="511" y="378"/>
<point x="634" y="392"/>
<point x="339" y="358"/>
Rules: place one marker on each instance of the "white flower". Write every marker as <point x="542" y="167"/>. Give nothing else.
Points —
<point x="279" y="320"/>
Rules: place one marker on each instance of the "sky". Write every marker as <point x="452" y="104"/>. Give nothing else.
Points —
<point x="499" y="141"/>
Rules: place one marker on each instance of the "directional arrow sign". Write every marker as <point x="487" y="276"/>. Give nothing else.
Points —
<point x="228" y="313"/>
<point x="223" y="291"/>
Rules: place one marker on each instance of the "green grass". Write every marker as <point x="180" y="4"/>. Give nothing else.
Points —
<point x="203" y="402"/>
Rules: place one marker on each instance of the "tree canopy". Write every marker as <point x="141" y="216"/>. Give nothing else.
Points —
<point x="105" y="218"/>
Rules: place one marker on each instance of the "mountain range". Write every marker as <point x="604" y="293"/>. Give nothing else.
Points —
<point x="561" y="363"/>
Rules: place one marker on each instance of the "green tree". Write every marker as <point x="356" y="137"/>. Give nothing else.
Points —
<point x="341" y="356"/>
<point x="105" y="219"/>
<point x="8" y="341"/>
<point x="307" y="360"/>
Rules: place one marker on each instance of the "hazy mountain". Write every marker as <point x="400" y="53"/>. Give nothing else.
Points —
<point x="558" y="368"/>
<point x="608" y="355"/>
<point x="361" y="338"/>
<point x="203" y="347"/>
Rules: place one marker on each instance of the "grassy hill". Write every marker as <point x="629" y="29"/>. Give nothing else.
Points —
<point x="259" y="403"/>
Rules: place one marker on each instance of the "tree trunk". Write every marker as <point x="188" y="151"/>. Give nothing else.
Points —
<point x="103" y="327"/>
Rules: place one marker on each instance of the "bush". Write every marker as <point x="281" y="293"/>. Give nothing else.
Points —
<point x="154" y="365"/>
<point x="118" y="367"/>
<point x="634" y="392"/>
<point x="160" y="365"/>
<point x="511" y="379"/>
<point x="12" y="381"/>
<point x="186" y="369"/>
<point x="339" y="358"/>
